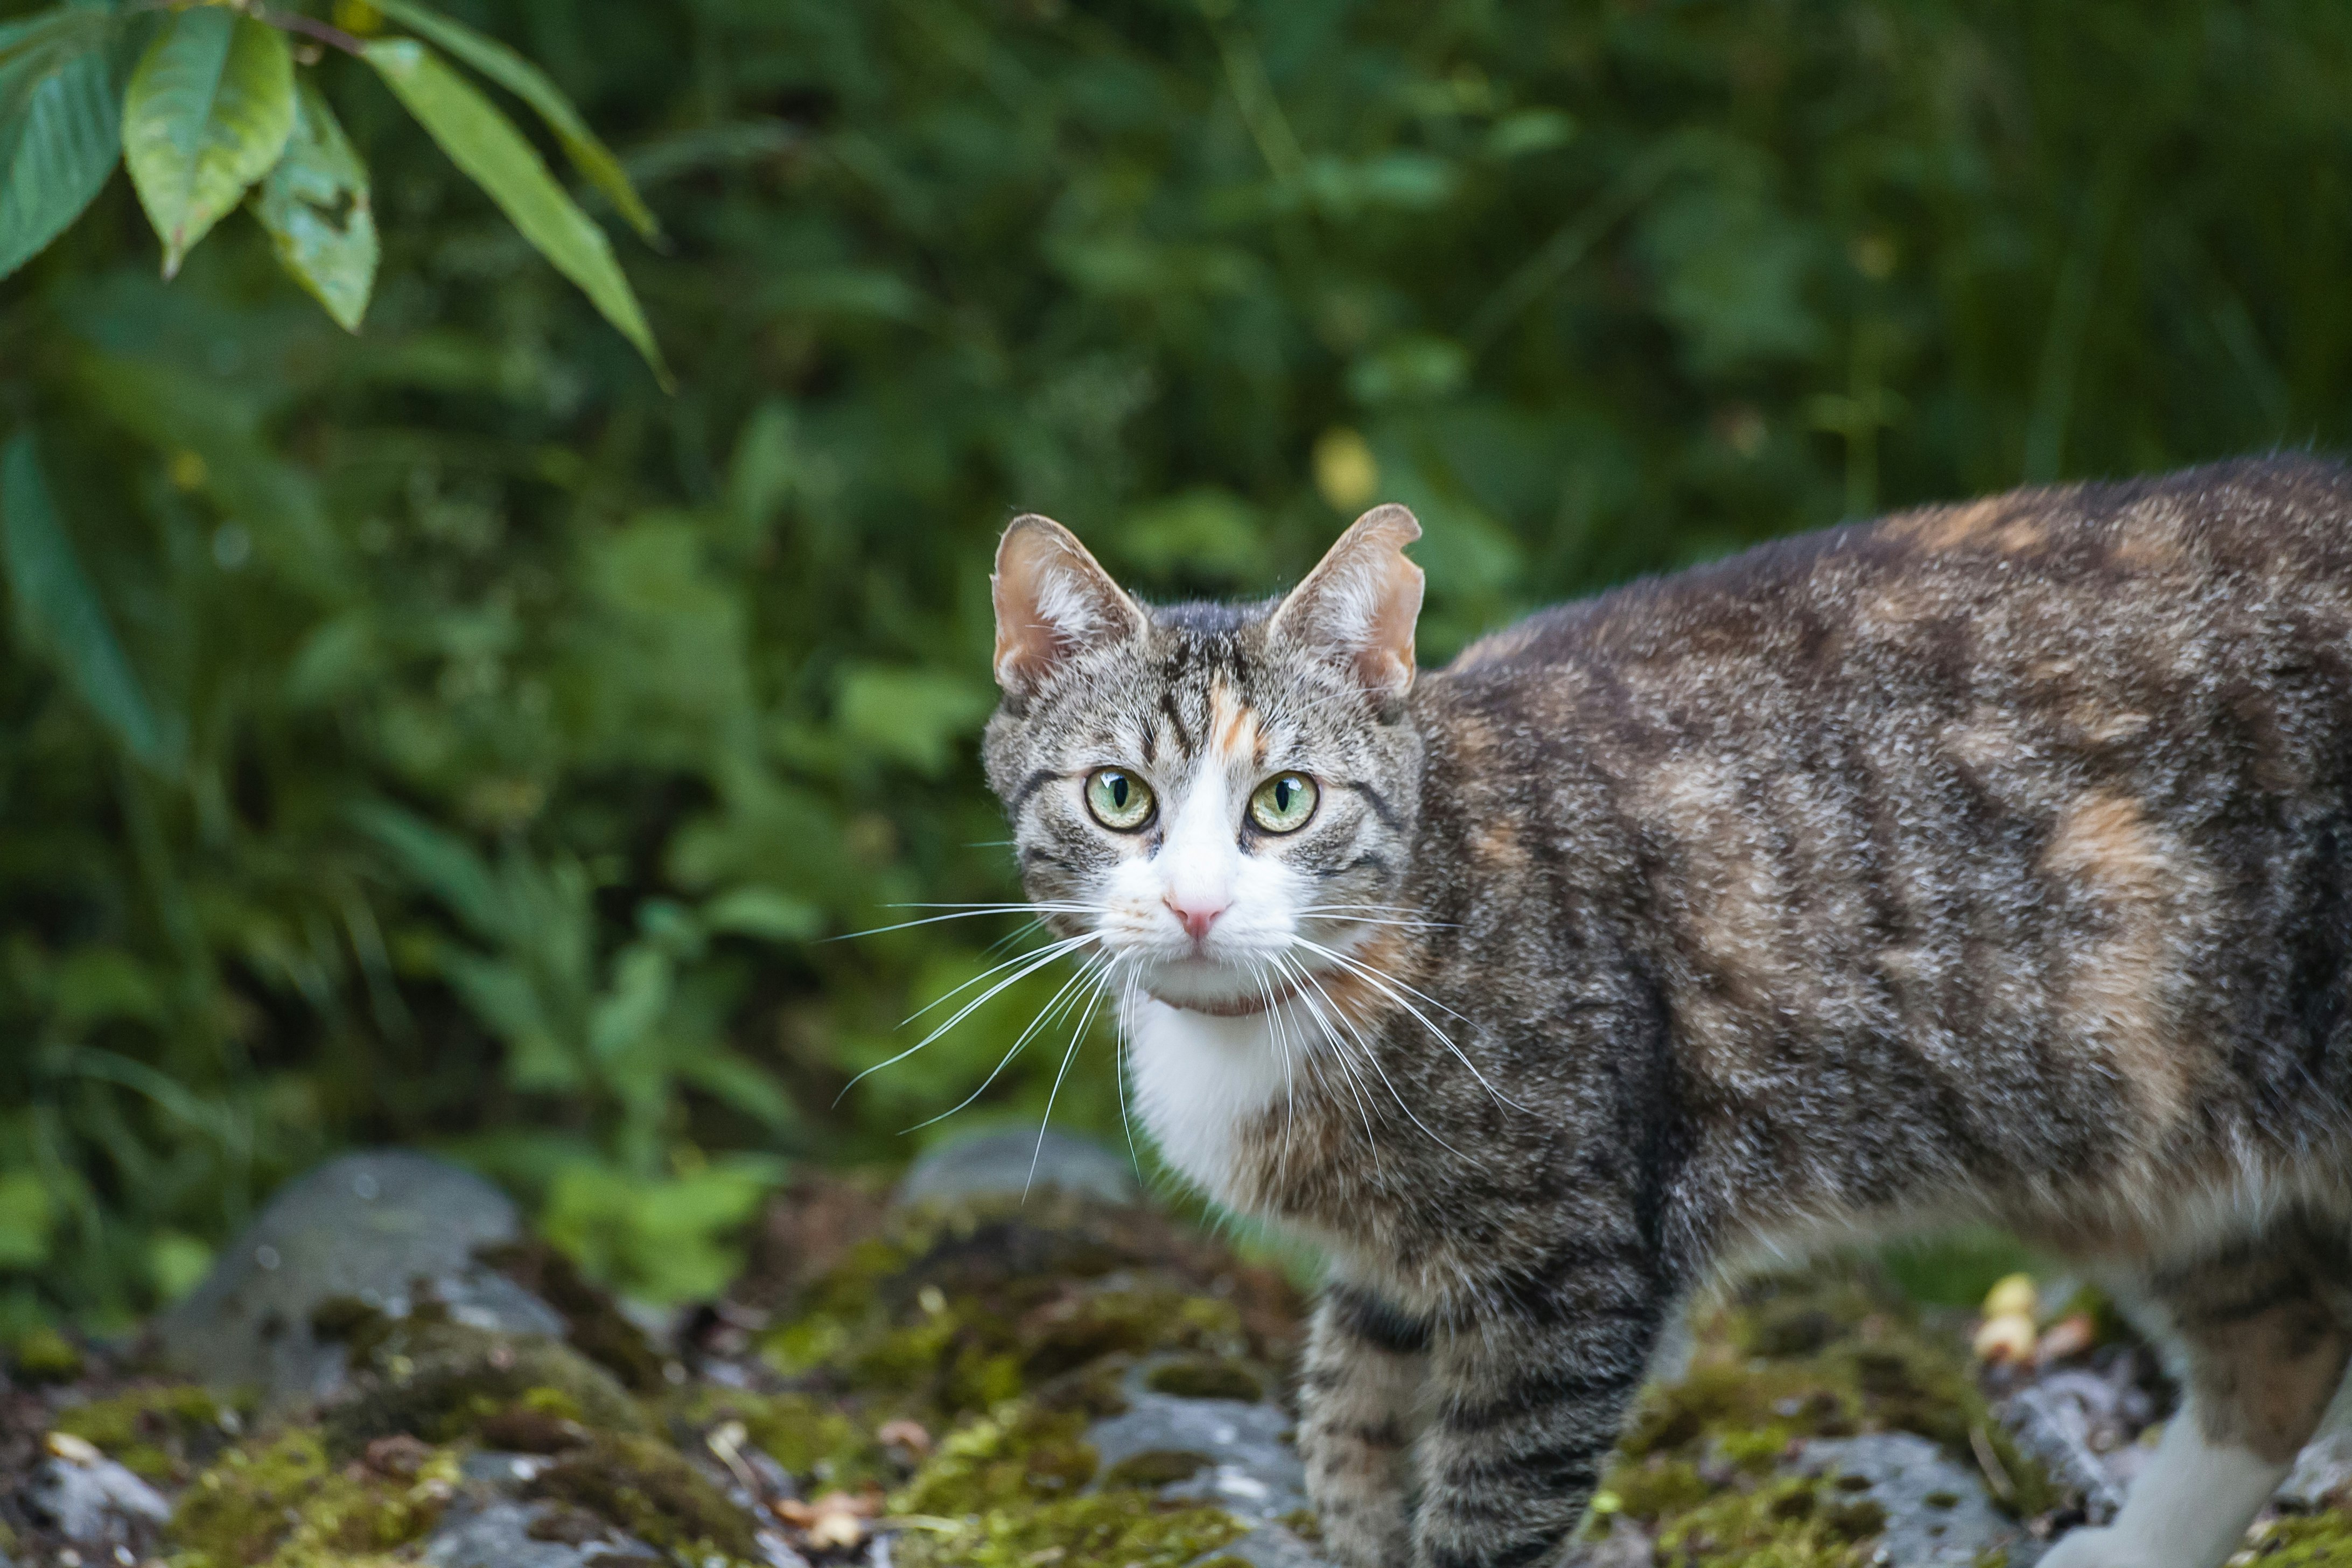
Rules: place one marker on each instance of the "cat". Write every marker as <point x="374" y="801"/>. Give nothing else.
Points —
<point x="1980" y="862"/>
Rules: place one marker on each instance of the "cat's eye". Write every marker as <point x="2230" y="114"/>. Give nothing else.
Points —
<point x="1283" y="803"/>
<point x="1120" y="801"/>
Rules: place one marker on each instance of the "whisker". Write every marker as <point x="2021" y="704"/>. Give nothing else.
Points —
<point x="964" y="912"/>
<point x="1059" y="943"/>
<point x="1039" y="961"/>
<point x="1045" y="1123"/>
<point x="1387" y="984"/>
<point x="1045" y="1015"/>
<point x="1339" y="1057"/>
<point x="1373" y="1057"/>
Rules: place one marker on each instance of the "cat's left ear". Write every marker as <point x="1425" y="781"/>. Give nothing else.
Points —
<point x="1053" y="599"/>
<point x="1360" y="602"/>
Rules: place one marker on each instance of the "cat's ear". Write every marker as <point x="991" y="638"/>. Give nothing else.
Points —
<point x="1359" y="604"/>
<point x="1052" y="600"/>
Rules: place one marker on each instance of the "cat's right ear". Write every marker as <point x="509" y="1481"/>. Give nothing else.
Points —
<point x="1053" y="600"/>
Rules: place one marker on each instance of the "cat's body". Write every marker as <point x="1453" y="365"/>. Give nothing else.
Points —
<point x="1991" y="861"/>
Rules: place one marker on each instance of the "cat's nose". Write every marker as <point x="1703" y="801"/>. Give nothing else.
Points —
<point x="1197" y="915"/>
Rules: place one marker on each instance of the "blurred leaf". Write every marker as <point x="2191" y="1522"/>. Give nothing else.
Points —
<point x="27" y="1217"/>
<point x="1412" y="368"/>
<point x="531" y="84"/>
<point x="762" y="912"/>
<point x="1204" y="536"/>
<point x="58" y="611"/>
<point x="442" y="862"/>
<point x="493" y="155"/>
<point x="315" y="206"/>
<point x="178" y="1262"/>
<point x="56" y="154"/>
<point x="96" y="983"/>
<point x="209" y="111"/>
<point x="910" y="716"/>
<point x="665" y="1240"/>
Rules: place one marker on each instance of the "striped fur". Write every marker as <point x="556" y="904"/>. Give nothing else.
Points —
<point x="1983" y="862"/>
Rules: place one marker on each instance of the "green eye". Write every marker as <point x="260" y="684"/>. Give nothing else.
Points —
<point x="1283" y="803"/>
<point x="1120" y="800"/>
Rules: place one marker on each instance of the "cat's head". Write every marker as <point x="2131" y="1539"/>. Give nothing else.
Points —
<point x="1214" y="791"/>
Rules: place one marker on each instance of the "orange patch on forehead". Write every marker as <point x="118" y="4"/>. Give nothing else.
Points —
<point x="1233" y="733"/>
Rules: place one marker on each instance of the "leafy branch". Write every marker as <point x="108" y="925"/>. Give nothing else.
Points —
<point x="216" y="112"/>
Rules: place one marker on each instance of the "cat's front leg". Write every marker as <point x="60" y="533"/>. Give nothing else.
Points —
<point x="1366" y="1363"/>
<point x="1531" y="1394"/>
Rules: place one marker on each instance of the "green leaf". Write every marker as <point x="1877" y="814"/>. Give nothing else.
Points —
<point x="63" y="150"/>
<point x="439" y="860"/>
<point x="63" y="31"/>
<point x="315" y="206"/>
<point x="27" y="1217"/>
<point x="494" y="155"/>
<point x="210" y="108"/>
<point x="527" y="82"/>
<point x="58" y="611"/>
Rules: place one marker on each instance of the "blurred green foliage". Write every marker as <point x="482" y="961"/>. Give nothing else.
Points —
<point x="446" y="736"/>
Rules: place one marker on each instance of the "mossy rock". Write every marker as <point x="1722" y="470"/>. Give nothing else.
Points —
<point x="441" y="1382"/>
<point x="161" y="1432"/>
<point x="651" y="1491"/>
<point x="815" y="1439"/>
<point x="44" y="1355"/>
<point x="285" y="1503"/>
<point x="1123" y="1527"/>
<point x="1020" y="1454"/>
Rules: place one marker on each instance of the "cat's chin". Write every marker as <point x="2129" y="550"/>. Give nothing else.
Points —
<point x="1220" y="990"/>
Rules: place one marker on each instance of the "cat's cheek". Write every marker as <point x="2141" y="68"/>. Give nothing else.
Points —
<point x="1199" y="1081"/>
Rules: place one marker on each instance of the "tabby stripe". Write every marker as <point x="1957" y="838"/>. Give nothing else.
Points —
<point x="1544" y="1393"/>
<point x="1518" y="1555"/>
<point x="1030" y="786"/>
<point x="1376" y="1321"/>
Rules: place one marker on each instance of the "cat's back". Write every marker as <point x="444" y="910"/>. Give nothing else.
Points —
<point x="2130" y="577"/>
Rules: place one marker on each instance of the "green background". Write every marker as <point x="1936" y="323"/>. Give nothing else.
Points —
<point x="502" y="747"/>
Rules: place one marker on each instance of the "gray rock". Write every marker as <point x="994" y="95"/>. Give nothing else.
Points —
<point x="997" y="1164"/>
<point x="1250" y="1470"/>
<point x="2322" y="1469"/>
<point x="1937" y="1510"/>
<point x="365" y="1225"/>
<point x="97" y="1504"/>
<point x="1271" y="1546"/>
<point x="496" y="1535"/>
<point x="2053" y="1422"/>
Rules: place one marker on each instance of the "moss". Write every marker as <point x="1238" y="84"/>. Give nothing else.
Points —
<point x="650" y="1490"/>
<point x="441" y="1382"/>
<point x="284" y="1504"/>
<point x="1020" y="1454"/>
<point x="1121" y="1527"/>
<point x="2322" y="1540"/>
<point x="595" y="1324"/>
<point x="160" y="1431"/>
<point x="1785" y="1524"/>
<point x="44" y="1355"/>
<point x="806" y="1436"/>
<point x="954" y="1312"/>
<point x="1156" y="1468"/>
<point x="1206" y="1380"/>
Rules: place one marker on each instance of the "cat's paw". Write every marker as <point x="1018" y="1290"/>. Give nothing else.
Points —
<point x="2097" y="1546"/>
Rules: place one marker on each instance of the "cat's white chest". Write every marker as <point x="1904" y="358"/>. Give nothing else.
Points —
<point x="1198" y="1080"/>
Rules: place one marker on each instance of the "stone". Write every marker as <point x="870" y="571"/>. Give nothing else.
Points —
<point x="997" y="1164"/>
<point x="94" y="1502"/>
<point x="2322" y="1475"/>
<point x="1248" y="1468"/>
<point x="1937" y="1513"/>
<point x="1272" y="1546"/>
<point x="366" y="1226"/>
<point x="499" y="1534"/>
<point x="2054" y="1421"/>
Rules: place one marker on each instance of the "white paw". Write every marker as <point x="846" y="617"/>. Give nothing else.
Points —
<point x="2097" y="1547"/>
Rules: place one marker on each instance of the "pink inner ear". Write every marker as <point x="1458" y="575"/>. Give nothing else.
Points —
<point x="1052" y="599"/>
<point x="1362" y="601"/>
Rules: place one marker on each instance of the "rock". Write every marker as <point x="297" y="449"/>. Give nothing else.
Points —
<point x="94" y="1502"/>
<point x="2052" y="1421"/>
<point x="502" y="1533"/>
<point x="366" y="1228"/>
<point x="2322" y="1475"/>
<point x="998" y="1164"/>
<point x="1272" y="1546"/>
<point x="1245" y="1466"/>
<point x="1936" y="1509"/>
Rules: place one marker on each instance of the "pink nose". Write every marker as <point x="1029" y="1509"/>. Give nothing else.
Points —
<point x="1197" y="917"/>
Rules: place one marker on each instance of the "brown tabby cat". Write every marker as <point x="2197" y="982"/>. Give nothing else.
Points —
<point x="1983" y="862"/>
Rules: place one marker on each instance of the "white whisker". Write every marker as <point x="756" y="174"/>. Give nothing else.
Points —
<point x="1037" y="961"/>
